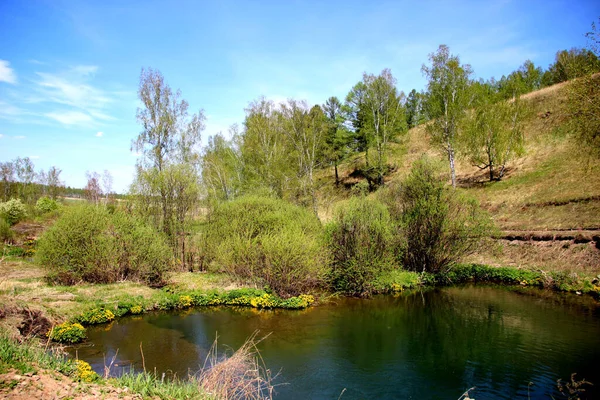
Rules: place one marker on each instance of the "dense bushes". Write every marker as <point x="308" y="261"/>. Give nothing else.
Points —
<point x="45" y="205"/>
<point x="12" y="211"/>
<point x="268" y="240"/>
<point x="6" y="233"/>
<point x="87" y="243"/>
<point x="361" y="241"/>
<point x="438" y="225"/>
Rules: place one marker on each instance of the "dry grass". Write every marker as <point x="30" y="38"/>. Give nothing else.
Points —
<point x="204" y="281"/>
<point x="243" y="375"/>
<point x="22" y="285"/>
<point x="550" y="256"/>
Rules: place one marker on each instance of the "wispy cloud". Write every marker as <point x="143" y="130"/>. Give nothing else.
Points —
<point x="7" y="74"/>
<point x="70" y="97"/>
<point x="70" y="117"/>
<point x="34" y="157"/>
<point x="19" y="137"/>
<point x="1" y="136"/>
<point x="99" y="134"/>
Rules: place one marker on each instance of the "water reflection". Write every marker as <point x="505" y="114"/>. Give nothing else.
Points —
<point x="433" y="344"/>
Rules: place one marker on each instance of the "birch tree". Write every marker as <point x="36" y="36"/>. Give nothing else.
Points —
<point x="166" y="183"/>
<point x="447" y="100"/>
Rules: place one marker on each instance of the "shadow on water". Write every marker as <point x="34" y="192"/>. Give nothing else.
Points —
<point x="509" y="343"/>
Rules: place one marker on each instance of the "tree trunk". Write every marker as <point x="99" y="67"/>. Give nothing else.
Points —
<point x="452" y="170"/>
<point x="337" y="178"/>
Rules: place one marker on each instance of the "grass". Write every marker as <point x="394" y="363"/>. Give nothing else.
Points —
<point x="22" y="284"/>
<point x="24" y="356"/>
<point x="241" y="375"/>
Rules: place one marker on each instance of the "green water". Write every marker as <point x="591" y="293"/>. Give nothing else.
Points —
<point x="433" y="344"/>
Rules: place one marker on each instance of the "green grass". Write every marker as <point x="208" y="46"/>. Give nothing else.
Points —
<point x="23" y="356"/>
<point x="30" y="357"/>
<point x="151" y="386"/>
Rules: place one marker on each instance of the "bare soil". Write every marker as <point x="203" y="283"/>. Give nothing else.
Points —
<point x="45" y="384"/>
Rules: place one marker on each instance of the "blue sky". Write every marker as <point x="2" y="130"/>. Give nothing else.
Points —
<point x="69" y="70"/>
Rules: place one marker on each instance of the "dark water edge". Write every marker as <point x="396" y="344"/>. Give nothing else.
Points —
<point x="434" y="344"/>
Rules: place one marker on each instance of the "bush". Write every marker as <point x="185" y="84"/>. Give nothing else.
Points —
<point x="67" y="333"/>
<point x="13" y="211"/>
<point x="6" y="234"/>
<point x="361" y="242"/>
<point x="268" y="240"/>
<point x="438" y="224"/>
<point x="89" y="244"/>
<point x="45" y="205"/>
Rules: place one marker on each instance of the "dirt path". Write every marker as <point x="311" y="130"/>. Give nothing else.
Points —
<point x="51" y="385"/>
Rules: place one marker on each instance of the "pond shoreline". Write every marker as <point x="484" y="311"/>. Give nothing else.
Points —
<point x="179" y="296"/>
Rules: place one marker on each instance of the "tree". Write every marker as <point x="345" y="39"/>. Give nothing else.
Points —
<point x="264" y="149"/>
<point x="494" y="133"/>
<point x="447" y="100"/>
<point x="7" y="178"/>
<point x="361" y="136"/>
<point x="222" y="168"/>
<point x="378" y="117"/>
<point x="107" y="182"/>
<point x="93" y="189"/>
<point x="584" y="103"/>
<point x="385" y="107"/>
<point x="305" y="130"/>
<point x="571" y="64"/>
<point x="414" y="109"/>
<point x="337" y="138"/>
<point x="26" y="174"/>
<point x="167" y="172"/>
<point x="55" y="185"/>
<point x="524" y="80"/>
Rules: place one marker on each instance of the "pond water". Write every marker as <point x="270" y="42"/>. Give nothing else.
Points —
<point x="433" y="344"/>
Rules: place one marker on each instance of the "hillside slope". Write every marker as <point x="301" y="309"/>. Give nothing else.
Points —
<point x="554" y="187"/>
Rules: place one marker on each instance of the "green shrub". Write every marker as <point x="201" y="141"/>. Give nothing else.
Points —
<point x="6" y="234"/>
<point x="67" y="333"/>
<point x="87" y="243"/>
<point x="13" y="211"/>
<point x="438" y="224"/>
<point x="396" y="280"/>
<point x="45" y="205"/>
<point x="361" y="242"/>
<point x="268" y="240"/>
<point x="96" y="316"/>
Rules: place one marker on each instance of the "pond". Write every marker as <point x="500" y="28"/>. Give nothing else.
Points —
<point x="435" y="344"/>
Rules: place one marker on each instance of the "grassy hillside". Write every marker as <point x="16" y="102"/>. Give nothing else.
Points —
<point x="554" y="187"/>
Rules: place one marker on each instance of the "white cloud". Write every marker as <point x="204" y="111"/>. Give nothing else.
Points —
<point x="19" y="137"/>
<point x="99" y="134"/>
<point x="1" y="136"/>
<point x="70" y="117"/>
<point x="34" y="157"/>
<point x="7" y="74"/>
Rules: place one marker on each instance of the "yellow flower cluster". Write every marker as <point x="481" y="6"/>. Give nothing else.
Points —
<point x="100" y="316"/>
<point x="67" y="333"/>
<point x="264" y="301"/>
<point x="84" y="372"/>
<point x="185" y="301"/>
<point x="396" y="287"/>
<point x="136" y="310"/>
<point x="307" y="299"/>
